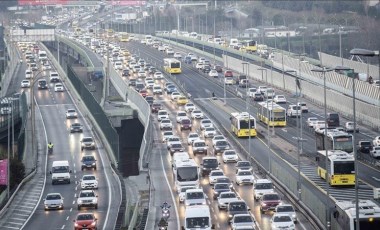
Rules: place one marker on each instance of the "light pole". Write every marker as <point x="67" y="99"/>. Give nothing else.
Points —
<point x="246" y="65"/>
<point x="323" y="71"/>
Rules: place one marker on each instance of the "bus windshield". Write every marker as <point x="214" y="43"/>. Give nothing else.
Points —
<point x="187" y="174"/>
<point x="175" y="65"/>
<point x="344" y="167"/>
<point x="244" y="124"/>
<point x="279" y="116"/>
<point x="344" y="144"/>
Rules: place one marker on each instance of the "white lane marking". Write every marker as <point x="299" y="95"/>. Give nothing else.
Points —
<point x="375" y="178"/>
<point x="284" y="130"/>
<point x="71" y="209"/>
<point x="63" y="227"/>
<point x="19" y="214"/>
<point x="9" y="227"/>
<point x="171" y="192"/>
<point x="74" y="202"/>
<point x="67" y="217"/>
<point x="14" y="223"/>
<point x="14" y="218"/>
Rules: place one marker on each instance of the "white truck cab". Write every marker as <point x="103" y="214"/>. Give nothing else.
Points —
<point x="60" y="172"/>
<point x="197" y="217"/>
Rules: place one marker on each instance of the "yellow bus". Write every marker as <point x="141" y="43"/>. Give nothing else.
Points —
<point x="341" y="167"/>
<point x="172" y="65"/>
<point x="243" y="124"/>
<point x="249" y="46"/>
<point x="272" y="114"/>
<point x="124" y="37"/>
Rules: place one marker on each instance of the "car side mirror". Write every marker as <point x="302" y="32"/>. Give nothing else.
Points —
<point x="201" y="163"/>
<point x="249" y="209"/>
<point x="182" y="228"/>
<point x="50" y="172"/>
<point x="213" y="226"/>
<point x="70" y="171"/>
<point x="74" y="221"/>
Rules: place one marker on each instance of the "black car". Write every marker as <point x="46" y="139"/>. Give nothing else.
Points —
<point x="236" y="207"/>
<point x="208" y="164"/>
<point x="76" y="128"/>
<point x="125" y="73"/>
<point x="219" y="188"/>
<point x="225" y="180"/>
<point x="88" y="161"/>
<point x="258" y="97"/>
<point x="132" y="82"/>
<point x="156" y="106"/>
<point x="42" y="84"/>
<point x="364" y="146"/>
<point x="243" y="165"/>
<point x="149" y="99"/>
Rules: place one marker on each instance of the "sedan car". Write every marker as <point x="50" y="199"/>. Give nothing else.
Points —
<point x="282" y="221"/>
<point x="375" y="152"/>
<point x="230" y="156"/>
<point x="58" y="87"/>
<point x="220" y="145"/>
<point x="76" y="128"/>
<point x="215" y="174"/>
<point x="217" y="138"/>
<point x="279" y="99"/>
<point x="311" y="121"/>
<point x="176" y="147"/>
<point x="219" y="188"/>
<point x="206" y="123"/>
<point x="88" y="181"/>
<point x="53" y="201"/>
<point x="162" y="114"/>
<point x="156" y="107"/>
<point x="287" y="209"/>
<point x="189" y="107"/>
<point x="269" y="201"/>
<point x="158" y="75"/>
<point x="349" y="127"/>
<point x="166" y="135"/>
<point x="244" y="177"/>
<point x="166" y="124"/>
<point x="197" y="114"/>
<point x="213" y="73"/>
<point x="244" y="165"/>
<point x="225" y="198"/>
<point x="192" y="137"/>
<point x="25" y="84"/>
<point x="85" y="221"/>
<point x="209" y="132"/>
<point x="71" y="113"/>
<point x="243" y="221"/>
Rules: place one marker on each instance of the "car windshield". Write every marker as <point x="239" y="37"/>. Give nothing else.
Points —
<point x="243" y="164"/>
<point x="197" y="222"/>
<point x="53" y="197"/>
<point x="221" y="143"/>
<point x="221" y="186"/>
<point x="86" y="194"/>
<point x="228" y="195"/>
<point x="285" y="208"/>
<point x="271" y="197"/>
<point x="176" y="146"/>
<point x="284" y="218"/>
<point x="187" y="174"/>
<point x="168" y="133"/>
<point x="244" y="173"/>
<point x="200" y="144"/>
<point x="241" y="206"/>
<point x="193" y="136"/>
<point x="88" y="158"/>
<point x="196" y="111"/>
<point x="243" y="219"/>
<point x="89" y="139"/>
<point x="210" y="129"/>
<point x="186" y="121"/>
<point x="206" y="122"/>
<point x="85" y="217"/>
<point x="89" y="178"/>
<point x="216" y="174"/>
<point x="163" y="113"/>
<point x="229" y="153"/>
<point x="181" y="115"/>
<point x="60" y="169"/>
<point x="76" y="125"/>
<point x="165" y="121"/>
<point x="209" y="162"/>
<point x="264" y="186"/>
<point x="71" y="111"/>
<point x="194" y="195"/>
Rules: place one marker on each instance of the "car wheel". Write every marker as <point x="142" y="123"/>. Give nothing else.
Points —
<point x="82" y="168"/>
<point x="95" y="168"/>
<point x="96" y="206"/>
<point x="78" y="207"/>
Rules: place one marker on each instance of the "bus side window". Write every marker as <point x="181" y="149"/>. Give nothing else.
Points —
<point x="316" y="158"/>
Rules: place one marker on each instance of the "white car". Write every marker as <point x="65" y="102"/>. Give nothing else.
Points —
<point x="287" y="209"/>
<point x="213" y="73"/>
<point x="197" y="114"/>
<point x="375" y="152"/>
<point x="206" y="123"/>
<point x="192" y="137"/>
<point x="25" y="84"/>
<point x="319" y="125"/>
<point x="181" y="115"/>
<point x="46" y="66"/>
<point x="166" y="135"/>
<point x="182" y="192"/>
<point x="149" y="84"/>
<point x="261" y="187"/>
<point x="282" y="221"/>
<point x="199" y="65"/>
<point x="244" y="177"/>
<point x="349" y="127"/>
<point x="195" y="197"/>
<point x="311" y="121"/>
<point x="161" y="48"/>
<point x="58" y="87"/>
<point x="87" y="198"/>
<point x="118" y="65"/>
<point x="157" y="89"/>
<point x="28" y="74"/>
<point x="177" y="55"/>
<point x="209" y="132"/>
<point x="158" y="75"/>
<point x="88" y="181"/>
<point x="243" y="221"/>
<point x="189" y="107"/>
<point x="162" y="114"/>
<point x="230" y="156"/>
<point x="71" y="113"/>
<point x="225" y="198"/>
<point x="304" y="108"/>
<point x="279" y="99"/>
<point x="166" y="124"/>
<point x="217" y="138"/>
<point x="215" y="174"/>
<point x="169" y="51"/>
<point x="376" y="141"/>
<point x="171" y="140"/>
<point x="141" y="73"/>
<point x="174" y="95"/>
<point x="53" y="201"/>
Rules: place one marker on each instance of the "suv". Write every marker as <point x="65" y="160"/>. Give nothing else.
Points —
<point x="364" y="146"/>
<point x="88" y="161"/>
<point x="87" y="143"/>
<point x="269" y="201"/>
<point x="185" y="124"/>
<point x="87" y="198"/>
<point x="261" y="187"/>
<point x="332" y="120"/>
<point x="199" y="146"/>
<point x="208" y="164"/>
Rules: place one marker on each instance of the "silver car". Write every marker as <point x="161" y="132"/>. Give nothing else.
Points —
<point x="53" y="201"/>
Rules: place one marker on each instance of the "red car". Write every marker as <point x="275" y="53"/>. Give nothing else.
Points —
<point x="228" y="73"/>
<point x="85" y="221"/>
<point x="143" y="92"/>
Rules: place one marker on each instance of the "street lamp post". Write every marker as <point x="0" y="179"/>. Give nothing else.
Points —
<point x="246" y="65"/>
<point x="323" y="71"/>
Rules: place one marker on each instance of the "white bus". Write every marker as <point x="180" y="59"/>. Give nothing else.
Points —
<point x="186" y="173"/>
<point x="198" y="217"/>
<point x="345" y="215"/>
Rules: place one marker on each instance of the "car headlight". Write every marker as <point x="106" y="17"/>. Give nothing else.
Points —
<point x="80" y="201"/>
<point x="94" y="164"/>
<point x="263" y="204"/>
<point x="76" y="224"/>
<point x="94" y="200"/>
<point x="230" y="216"/>
<point x="93" y="223"/>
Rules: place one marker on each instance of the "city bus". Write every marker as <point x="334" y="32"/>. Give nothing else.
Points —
<point x="336" y="140"/>
<point x="124" y="37"/>
<point x="341" y="167"/>
<point x="271" y="114"/>
<point x="345" y="215"/>
<point x="243" y="124"/>
<point x="172" y="65"/>
<point x="249" y="46"/>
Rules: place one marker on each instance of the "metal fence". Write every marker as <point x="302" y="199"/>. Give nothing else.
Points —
<point x="96" y="111"/>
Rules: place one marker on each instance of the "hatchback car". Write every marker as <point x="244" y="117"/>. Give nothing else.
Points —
<point x="58" y="87"/>
<point x="185" y="124"/>
<point x="213" y="73"/>
<point x="244" y="177"/>
<point x="53" y="201"/>
<point x="87" y="143"/>
<point x="215" y="174"/>
<point x="76" y="128"/>
<point x="375" y="152"/>
<point x="156" y="107"/>
<point x="230" y="156"/>
<point x="269" y="201"/>
<point x="225" y="198"/>
<point x="282" y="221"/>
<point x="349" y="127"/>
<point x="197" y="114"/>
<point x="88" y="161"/>
<point x="85" y="221"/>
<point x="71" y="113"/>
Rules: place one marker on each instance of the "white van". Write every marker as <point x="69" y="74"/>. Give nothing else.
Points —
<point x="42" y="56"/>
<point x="197" y="217"/>
<point x="261" y="187"/>
<point x="60" y="172"/>
<point x="195" y="197"/>
<point x="233" y="42"/>
<point x="28" y="73"/>
<point x="179" y="156"/>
